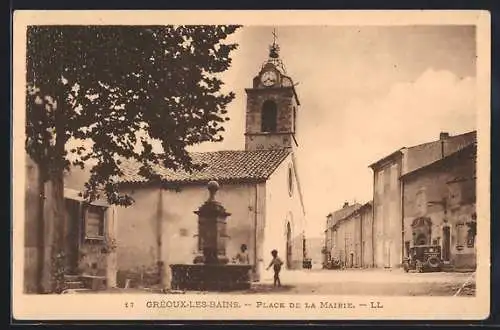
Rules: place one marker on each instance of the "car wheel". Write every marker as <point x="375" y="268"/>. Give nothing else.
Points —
<point x="433" y="262"/>
<point x="420" y="267"/>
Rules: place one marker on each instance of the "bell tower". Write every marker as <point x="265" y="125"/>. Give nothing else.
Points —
<point x="272" y="106"/>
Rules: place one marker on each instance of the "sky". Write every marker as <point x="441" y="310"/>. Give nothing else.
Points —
<point x="365" y="92"/>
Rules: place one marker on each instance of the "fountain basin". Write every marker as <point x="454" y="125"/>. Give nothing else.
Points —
<point x="210" y="277"/>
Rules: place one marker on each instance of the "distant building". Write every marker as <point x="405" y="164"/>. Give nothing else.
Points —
<point x="388" y="192"/>
<point x="439" y="207"/>
<point x="348" y="236"/>
<point x="314" y="246"/>
<point x="365" y="213"/>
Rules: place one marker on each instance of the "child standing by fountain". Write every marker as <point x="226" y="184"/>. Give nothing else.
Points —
<point x="242" y="257"/>
<point x="276" y="263"/>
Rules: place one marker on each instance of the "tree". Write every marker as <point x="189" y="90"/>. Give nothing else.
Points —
<point x="121" y="88"/>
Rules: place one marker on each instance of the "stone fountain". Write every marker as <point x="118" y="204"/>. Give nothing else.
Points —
<point x="210" y="271"/>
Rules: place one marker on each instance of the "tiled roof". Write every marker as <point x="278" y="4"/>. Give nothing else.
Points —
<point x="427" y="153"/>
<point x="344" y="212"/>
<point x="459" y="155"/>
<point x="222" y="166"/>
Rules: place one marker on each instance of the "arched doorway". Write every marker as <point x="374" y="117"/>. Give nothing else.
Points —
<point x="288" y="246"/>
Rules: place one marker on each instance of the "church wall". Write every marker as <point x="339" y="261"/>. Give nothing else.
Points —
<point x="268" y="141"/>
<point x="280" y="209"/>
<point x="136" y="231"/>
<point x="180" y="224"/>
<point x="139" y="224"/>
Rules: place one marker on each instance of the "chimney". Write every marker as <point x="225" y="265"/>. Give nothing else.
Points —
<point x="346" y="204"/>
<point x="444" y="135"/>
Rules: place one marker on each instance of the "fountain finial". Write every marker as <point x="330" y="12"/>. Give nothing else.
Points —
<point x="213" y="187"/>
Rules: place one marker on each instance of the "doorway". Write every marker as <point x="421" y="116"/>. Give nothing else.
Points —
<point x="407" y="249"/>
<point x="73" y="222"/>
<point x="288" y="246"/>
<point x="446" y="243"/>
<point x="387" y="254"/>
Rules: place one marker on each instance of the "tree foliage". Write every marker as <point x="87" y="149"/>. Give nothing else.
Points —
<point x="122" y="87"/>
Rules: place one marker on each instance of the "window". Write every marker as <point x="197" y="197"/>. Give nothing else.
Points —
<point x="94" y="221"/>
<point x="387" y="180"/>
<point x="294" y="119"/>
<point x="394" y="177"/>
<point x="290" y="181"/>
<point x="407" y="249"/>
<point x="380" y="182"/>
<point x="454" y="194"/>
<point x="471" y="233"/>
<point x="422" y="201"/>
<point x="269" y="117"/>
<point x="460" y="234"/>
<point x="379" y="218"/>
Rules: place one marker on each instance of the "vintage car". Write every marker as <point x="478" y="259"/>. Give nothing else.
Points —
<point x="307" y="263"/>
<point x="423" y="258"/>
<point x="332" y="263"/>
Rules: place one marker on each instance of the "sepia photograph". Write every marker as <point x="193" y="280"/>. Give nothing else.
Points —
<point x="271" y="165"/>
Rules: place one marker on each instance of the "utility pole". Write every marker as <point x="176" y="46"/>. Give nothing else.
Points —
<point x="345" y="251"/>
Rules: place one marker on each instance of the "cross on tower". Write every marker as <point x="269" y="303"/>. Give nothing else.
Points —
<point x="274" y="49"/>
<point x="274" y="37"/>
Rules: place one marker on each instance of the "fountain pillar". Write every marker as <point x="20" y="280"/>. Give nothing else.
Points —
<point x="210" y="270"/>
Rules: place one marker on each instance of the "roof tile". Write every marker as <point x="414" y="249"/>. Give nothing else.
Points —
<point x="221" y="166"/>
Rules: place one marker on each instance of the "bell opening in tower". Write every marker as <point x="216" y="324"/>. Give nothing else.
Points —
<point x="269" y="117"/>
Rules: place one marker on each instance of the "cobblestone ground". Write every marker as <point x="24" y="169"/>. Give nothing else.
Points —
<point x="370" y="282"/>
<point x="359" y="282"/>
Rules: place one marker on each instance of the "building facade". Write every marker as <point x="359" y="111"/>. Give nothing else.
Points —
<point x="387" y="210"/>
<point x="388" y="247"/>
<point x="365" y="213"/>
<point x="88" y="234"/>
<point x="348" y="237"/>
<point x="440" y="208"/>
<point x="314" y="248"/>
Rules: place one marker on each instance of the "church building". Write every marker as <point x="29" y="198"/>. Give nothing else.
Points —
<point x="259" y="187"/>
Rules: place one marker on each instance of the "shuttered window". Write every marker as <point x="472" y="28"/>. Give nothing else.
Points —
<point x="94" y="221"/>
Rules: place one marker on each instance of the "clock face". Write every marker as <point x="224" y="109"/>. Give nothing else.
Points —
<point x="269" y="78"/>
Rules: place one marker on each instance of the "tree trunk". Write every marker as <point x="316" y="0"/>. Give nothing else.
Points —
<point x="51" y="228"/>
<point x="42" y="278"/>
<point x="55" y="211"/>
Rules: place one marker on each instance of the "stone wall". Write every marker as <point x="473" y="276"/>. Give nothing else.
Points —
<point x="366" y="235"/>
<point x="286" y="110"/>
<point x="451" y="182"/>
<point x="387" y="214"/>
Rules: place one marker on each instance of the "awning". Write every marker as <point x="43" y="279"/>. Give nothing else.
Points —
<point x="75" y="195"/>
